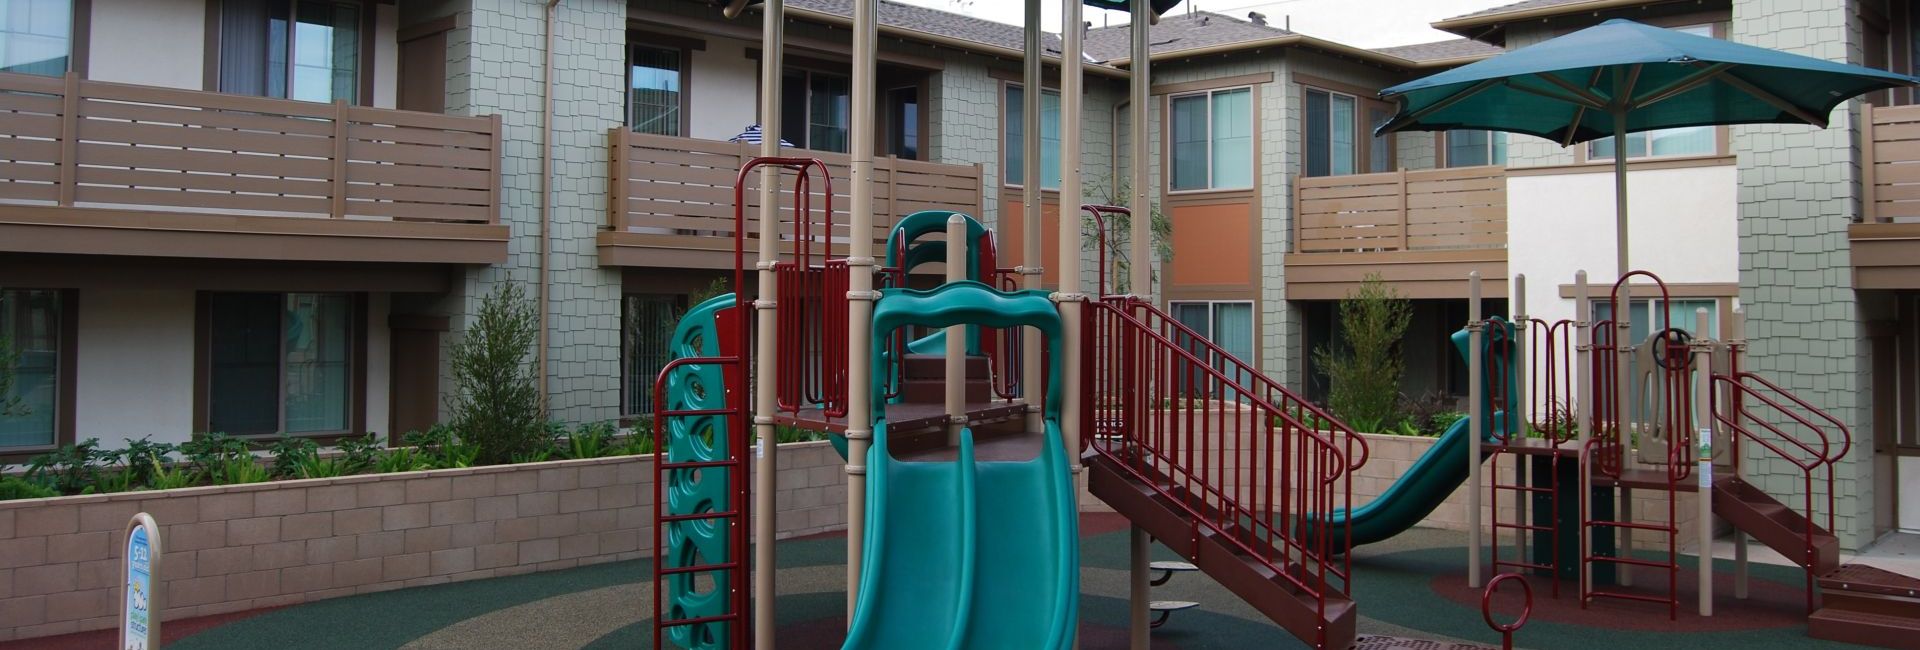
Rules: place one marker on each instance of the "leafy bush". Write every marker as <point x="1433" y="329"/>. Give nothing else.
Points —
<point x="497" y="402"/>
<point x="359" y="454"/>
<point x="69" y="470"/>
<point x="14" y="487"/>
<point x="164" y="477"/>
<point x="440" y="447"/>
<point x="211" y="454"/>
<point x="402" y="459"/>
<point x="290" y="453"/>
<point x="234" y="471"/>
<point x="139" y="458"/>
<point x="591" y="440"/>
<point x="1429" y="415"/>
<point x="1364" y="375"/>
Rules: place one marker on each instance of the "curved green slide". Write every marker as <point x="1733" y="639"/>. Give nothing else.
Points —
<point x="1437" y="473"/>
<point x="969" y="553"/>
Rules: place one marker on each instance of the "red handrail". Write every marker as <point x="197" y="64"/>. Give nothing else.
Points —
<point x="739" y="511"/>
<point x="1506" y="630"/>
<point x="1100" y="238"/>
<point x="1241" y="467"/>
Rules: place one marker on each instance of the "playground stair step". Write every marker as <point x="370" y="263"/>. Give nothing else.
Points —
<point x="1774" y="524"/>
<point x="1842" y="623"/>
<point x="934" y="366"/>
<point x="1164" y="511"/>
<point x="1642" y="478"/>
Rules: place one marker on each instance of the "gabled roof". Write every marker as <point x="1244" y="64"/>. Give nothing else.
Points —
<point x="1487" y="24"/>
<point x="934" y="22"/>
<point x="1452" y="49"/>
<point x="1201" y="29"/>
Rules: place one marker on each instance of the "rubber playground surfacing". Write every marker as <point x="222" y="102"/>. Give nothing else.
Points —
<point x="1410" y="587"/>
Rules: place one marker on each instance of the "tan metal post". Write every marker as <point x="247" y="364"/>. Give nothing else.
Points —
<point x="1517" y="408"/>
<point x="860" y="293"/>
<point x="1072" y="35"/>
<point x="1623" y="417"/>
<point x="1032" y="273"/>
<point x="1583" y="393"/>
<point x="1736" y="346"/>
<point x="1140" y="273"/>
<point x="773" y="34"/>
<point x="1476" y="423"/>
<point x="1703" y="422"/>
<point x="956" y="366"/>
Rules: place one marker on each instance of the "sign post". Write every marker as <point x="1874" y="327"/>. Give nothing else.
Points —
<point x="140" y="600"/>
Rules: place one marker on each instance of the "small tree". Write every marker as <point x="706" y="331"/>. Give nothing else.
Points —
<point x="1364" y="377"/>
<point x="497" y="405"/>
<point x="1120" y="232"/>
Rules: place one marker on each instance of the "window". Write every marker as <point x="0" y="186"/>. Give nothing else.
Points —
<point x="1330" y="133"/>
<point x="1680" y="314"/>
<point x="31" y="321"/>
<point x="1122" y="148"/>
<point x="1228" y="324"/>
<point x="647" y="323"/>
<point x="1380" y="149"/>
<point x="1212" y="140"/>
<point x="1683" y="141"/>
<point x="903" y="120"/>
<point x="35" y="36"/>
<point x="280" y="362"/>
<point x="1470" y="148"/>
<point x="1015" y="170"/>
<point x="653" y="90"/>
<point x="819" y="101"/>
<point x="298" y="49"/>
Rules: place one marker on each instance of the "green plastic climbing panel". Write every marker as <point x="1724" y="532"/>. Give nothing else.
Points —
<point x="694" y="439"/>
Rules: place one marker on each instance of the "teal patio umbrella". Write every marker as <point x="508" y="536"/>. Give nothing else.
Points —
<point x="1622" y="77"/>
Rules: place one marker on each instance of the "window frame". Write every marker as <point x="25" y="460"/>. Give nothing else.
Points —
<point x="891" y="127"/>
<point x="677" y="307"/>
<point x="363" y="69"/>
<point x="79" y="42"/>
<point x="1443" y="144"/>
<point x="803" y="138"/>
<point x="357" y="364"/>
<point x="681" y="48"/>
<point x="1007" y="180"/>
<point x="1167" y="149"/>
<point x="67" y="378"/>
<point x="1362" y="131"/>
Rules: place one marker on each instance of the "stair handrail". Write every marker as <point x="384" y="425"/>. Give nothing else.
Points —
<point x="1735" y="382"/>
<point x="1288" y="398"/>
<point x="1327" y="457"/>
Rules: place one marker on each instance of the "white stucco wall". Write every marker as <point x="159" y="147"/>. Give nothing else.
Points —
<point x="127" y="43"/>
<point x="1682" y="226"/>
<point x="134" y="366"/>
<point x="724" y="95"/>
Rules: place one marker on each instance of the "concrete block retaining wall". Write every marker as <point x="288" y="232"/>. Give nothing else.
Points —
<point x="239" y="547"/>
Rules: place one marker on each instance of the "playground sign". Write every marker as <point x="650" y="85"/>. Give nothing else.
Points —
<point x="139" y="626"/>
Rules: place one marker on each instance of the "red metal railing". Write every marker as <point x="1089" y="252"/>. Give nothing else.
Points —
<point x="1506" y="630"/>
<point x="1517" y="432"/>
<point x="810" y="354"/>
<point x="1099" y="212"/>
<point x="1175" y="417"/>
<point x="733" y="515"/>
<point x="1809" y="452"/>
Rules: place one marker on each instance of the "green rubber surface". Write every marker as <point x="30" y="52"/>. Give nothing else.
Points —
<point x="968" y="553"/>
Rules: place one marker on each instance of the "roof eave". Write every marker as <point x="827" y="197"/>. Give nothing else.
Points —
<point x="1290" y="40"/>
<point x="948" y="41"/>
<point x="1469" y="26"/>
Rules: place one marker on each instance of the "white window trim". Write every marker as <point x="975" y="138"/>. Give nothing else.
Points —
<point x="1252" y="120"/>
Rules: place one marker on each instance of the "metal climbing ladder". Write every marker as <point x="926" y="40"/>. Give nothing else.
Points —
<point x="1539" y="451"/>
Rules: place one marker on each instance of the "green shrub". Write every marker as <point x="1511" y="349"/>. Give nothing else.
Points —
<point x="290" y="453"/>
<point x="1364" y="375"/>
<point x="359" y="454"/>
<point x="239" y="470"/>
<point x="401" y="459"/>
<point x="69" y="470"/>
<point x="164" y="477"/>
<point x="14" y="487"/>
<point x="210" y="454"/>
<point x="441" y="448"/>
<point x="137" y="459"/>
<point x="497" y="403"/>
<point x="591" y="440"/>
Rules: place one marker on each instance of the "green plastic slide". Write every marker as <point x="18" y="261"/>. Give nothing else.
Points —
<point x="1434" y="476"/>
<point x="969" y="553"/>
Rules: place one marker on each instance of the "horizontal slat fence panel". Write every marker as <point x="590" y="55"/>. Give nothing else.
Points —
<point x="684" y="188"/>
<point x="1431" y="209"/>
<point x="1890" y="144"/>
<point x="69" y="142"/>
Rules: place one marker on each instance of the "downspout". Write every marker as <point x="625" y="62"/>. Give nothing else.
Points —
<point x="546" y="199"/>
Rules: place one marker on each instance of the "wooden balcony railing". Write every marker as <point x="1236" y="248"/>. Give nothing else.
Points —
<point x="1890" y="164"/>
<point x="671" y="199"/>
<point x="90" y="144"/>
<point x="1425" y="210"/>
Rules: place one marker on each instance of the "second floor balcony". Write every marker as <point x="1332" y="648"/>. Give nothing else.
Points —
<point x="1423" y="230"/>
<point x="1886" y="242"/>
<point x="91" y="167"/>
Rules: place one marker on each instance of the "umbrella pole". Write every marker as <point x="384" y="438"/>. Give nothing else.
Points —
<point x="1622" y="317"/>
<point x="1620" y="191"/>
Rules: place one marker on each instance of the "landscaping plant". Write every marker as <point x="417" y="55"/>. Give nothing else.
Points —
<point x="1364" y="374"/>
<point x="591" y="440"/>
<point x="14" y="487"/>
<point x="441" y="448"/>
<point x="496" y="405"/>
<point x="69" y="470"/>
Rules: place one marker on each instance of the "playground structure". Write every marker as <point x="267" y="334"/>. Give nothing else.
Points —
<point x="968" y="411"/>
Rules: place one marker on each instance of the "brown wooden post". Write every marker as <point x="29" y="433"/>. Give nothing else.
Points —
<point x="69" y="138"/>
<point x="339" y="159"/>
<point x="1869" y="212"/>
<point x="980" y="189"/>
<point x="499" y="168"/>
<point x="617" y="179"/>
<point x="892" y="165"/>
<point x="1405" y="215"/>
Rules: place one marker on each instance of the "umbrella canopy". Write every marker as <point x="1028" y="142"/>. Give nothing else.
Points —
<point x="1622" y="77"/>
<point x="1568" y="89"/>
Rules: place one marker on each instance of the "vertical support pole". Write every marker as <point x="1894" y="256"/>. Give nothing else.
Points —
<point x="1583" y="395"/>
<point x="956" y="366"/>
<point x="69" y="138"/>
<point x="1518" y="408"/>
<point x="1623" y="418"/>
<point x="338" y="190"/>
<point x="1736" y="346"/>
<point x="773" y="34"/>
<point x="1139" y="269"/>
<point x="860" y="291"/>
<point x="1702" y="379"/>
<point x="1073" y="34"/>
<point x="1033" y="274"/>
<point x="1476" y="424"/>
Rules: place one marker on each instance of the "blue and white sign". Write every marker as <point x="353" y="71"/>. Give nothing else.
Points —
<point x="139" y="627"/>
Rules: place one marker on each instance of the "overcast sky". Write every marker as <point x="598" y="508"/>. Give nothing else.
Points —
<point x="1379" y="24"/>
